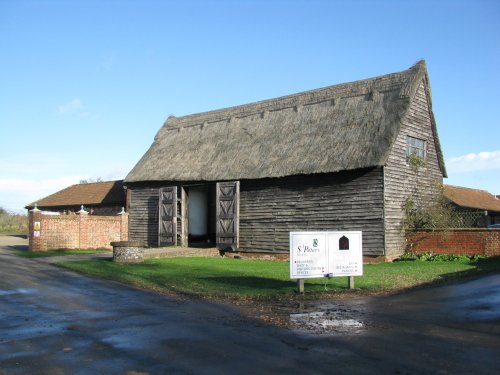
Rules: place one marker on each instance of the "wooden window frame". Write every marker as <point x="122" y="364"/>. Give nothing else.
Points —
<point x="414" y="149"/>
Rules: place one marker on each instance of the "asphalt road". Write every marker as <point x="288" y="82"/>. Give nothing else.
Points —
<point x="57" y="322"/>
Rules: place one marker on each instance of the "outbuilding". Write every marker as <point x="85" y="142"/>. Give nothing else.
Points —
<point x="476" y="208"/>
<point x="99" y="198"/>
<point x="334" y="158"/>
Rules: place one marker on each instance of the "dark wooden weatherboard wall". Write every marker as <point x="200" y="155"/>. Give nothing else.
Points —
<point x="143" y="209"/>
<point x="271" y="208"/>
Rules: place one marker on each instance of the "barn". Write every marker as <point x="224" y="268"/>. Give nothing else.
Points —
<point x="334" y="158"/>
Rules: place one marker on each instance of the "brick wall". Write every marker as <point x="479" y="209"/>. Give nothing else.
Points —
<point x="455" y="241"/>
<point x="81" y="231"/>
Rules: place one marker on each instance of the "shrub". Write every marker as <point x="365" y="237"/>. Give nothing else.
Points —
<point x="11" y="223"/>
<point x="431" y="257"/>
<point x="439" y="213"/>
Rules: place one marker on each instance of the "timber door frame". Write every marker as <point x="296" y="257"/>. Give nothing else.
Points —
<point x="184" y="217"/>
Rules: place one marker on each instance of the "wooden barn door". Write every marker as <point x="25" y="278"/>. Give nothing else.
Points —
<point x="227" y="203"/>
<point x="167" y="231"/>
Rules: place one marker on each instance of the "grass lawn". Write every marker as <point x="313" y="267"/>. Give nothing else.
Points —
<point x="57" y="253"/>
<point x="237" y="278"/>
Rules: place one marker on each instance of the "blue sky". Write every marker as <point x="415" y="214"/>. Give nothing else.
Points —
<point x="85" y="85"/>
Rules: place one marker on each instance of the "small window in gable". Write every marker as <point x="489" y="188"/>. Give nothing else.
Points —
<point x="415" y="146"/>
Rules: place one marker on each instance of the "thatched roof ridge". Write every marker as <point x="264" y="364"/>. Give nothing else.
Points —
<point x="344" y="90"/>
<point x="341" y="127"/>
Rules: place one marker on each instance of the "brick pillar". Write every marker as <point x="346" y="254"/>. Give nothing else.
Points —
<point x="492" y="247"/>
<point x="83" y="229"/>
<point x="35" y="235"/>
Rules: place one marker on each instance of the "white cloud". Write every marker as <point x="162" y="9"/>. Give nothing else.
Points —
<point x="472" y="162"/>
<point x="29" y="176"/>
<point x="15" y="193"/>
<point x="115" y="172"/>
<point x="74" y="106"/>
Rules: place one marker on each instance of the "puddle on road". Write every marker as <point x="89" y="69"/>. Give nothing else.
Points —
<point x="327" y="317"/>
<point x="327" y="322"/>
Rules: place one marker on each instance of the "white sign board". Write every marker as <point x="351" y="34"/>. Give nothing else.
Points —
<point x="320" y="254"/>
<point x="345" y="254"/>
<point x="308" y="251"/>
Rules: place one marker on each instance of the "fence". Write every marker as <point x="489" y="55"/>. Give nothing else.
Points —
<point x="471" y="218"/>
<point x="79" y="231"/>
<point x="470" y="241"/>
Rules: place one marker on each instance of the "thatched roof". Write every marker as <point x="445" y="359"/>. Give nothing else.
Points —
<point x="341" y="127"/>
<point x="471" y="198"/>
<point x="105" y="193"/>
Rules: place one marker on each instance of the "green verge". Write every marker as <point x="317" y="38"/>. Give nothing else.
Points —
<point x="237" y="278"/>
<point x="57" y="253"/>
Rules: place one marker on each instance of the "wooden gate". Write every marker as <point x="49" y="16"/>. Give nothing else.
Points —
<point x="227" y="203"/>
<point x="167" y="231"/>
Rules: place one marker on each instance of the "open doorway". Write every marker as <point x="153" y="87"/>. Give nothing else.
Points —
<point x="201" y="215"/>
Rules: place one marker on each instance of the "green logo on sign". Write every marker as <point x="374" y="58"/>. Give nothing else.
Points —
<point x="315" y="242"/>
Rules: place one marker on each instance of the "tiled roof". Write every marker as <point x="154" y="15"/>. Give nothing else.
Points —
<point x="96" y="193"/>
<point x="472" y="198"/>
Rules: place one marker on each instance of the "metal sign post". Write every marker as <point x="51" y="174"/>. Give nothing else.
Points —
<point x="300" y="286"/>
<point x="350" y="282"/>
